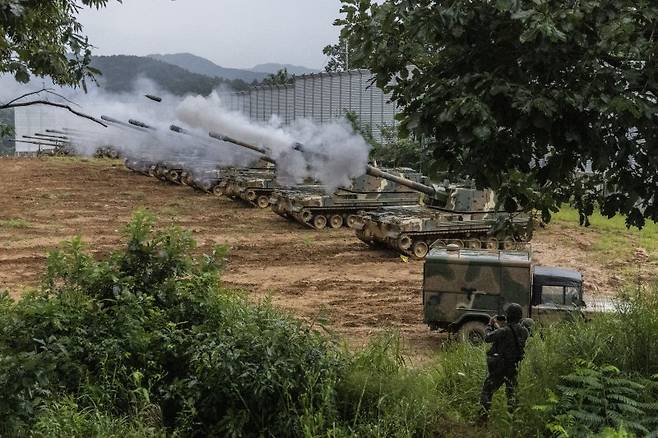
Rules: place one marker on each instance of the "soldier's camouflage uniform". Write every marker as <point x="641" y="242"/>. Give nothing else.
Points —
<point x="502" y="362"/>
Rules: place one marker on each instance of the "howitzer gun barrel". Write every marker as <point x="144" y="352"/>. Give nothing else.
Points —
<point x="40" y="143"/>
<point x="120" y="123"/>
<point x="55" y="131"/>
<point x="140" y="124"/>
<point x="378" y="173"/>
<point x="228" y="139"/>
<point x="29" y="137"/>
<point x="179" y="130"/>
<point x="54" y="137"/>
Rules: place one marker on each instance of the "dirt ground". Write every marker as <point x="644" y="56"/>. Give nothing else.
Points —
<point x="329" y="277"/>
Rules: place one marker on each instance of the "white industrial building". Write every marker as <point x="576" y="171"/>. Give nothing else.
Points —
<point x="321" y="97"/>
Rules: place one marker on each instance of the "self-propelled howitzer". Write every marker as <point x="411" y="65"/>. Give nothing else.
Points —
<point x="449" y="214"/>
<point x="314" y="205"/>
<point x="254" y="186"/>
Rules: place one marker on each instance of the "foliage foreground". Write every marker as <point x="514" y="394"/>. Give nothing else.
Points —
<point x="146" y="342"/>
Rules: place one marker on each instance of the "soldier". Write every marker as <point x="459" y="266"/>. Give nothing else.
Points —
<point x="504" y="356"/>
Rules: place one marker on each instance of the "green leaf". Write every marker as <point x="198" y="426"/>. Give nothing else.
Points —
<point x="22" y="76"/>
<point x="482" y="132"/>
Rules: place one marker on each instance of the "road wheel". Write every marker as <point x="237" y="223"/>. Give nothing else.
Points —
<point x="473" y="244"/>
<point x="509" y="243"/>
<point x="251" y="195"/>
<point x="336" y="221"/>
<point x="472" y="331"/>
<point x="306" y="216"/>
<point x="404" y="242"/>
<point x="217" y="191"/>
<point x="491" y="244"/>
<point x="420" y="249"/>
<point x="263" y="201"/>
<point x="320" y="222"/>
<point x="351" y="220"/>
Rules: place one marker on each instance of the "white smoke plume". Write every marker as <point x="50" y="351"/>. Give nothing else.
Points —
<point x="333" y="153"/>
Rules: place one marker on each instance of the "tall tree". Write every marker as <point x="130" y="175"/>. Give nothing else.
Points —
<point x="521" y="94"/>
<point x="340" y="57"/>
<point x="44" y="38"/>
<point x="281" y="77"/>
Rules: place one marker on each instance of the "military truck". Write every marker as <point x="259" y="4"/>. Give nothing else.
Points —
<point x="464" y="288"/>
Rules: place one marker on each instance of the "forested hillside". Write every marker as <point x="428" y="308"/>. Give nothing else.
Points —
<point x="203" y="66"/>
<point x="119" y="73"/>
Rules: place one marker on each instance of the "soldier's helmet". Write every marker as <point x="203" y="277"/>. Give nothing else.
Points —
<point x="514" y="313"/>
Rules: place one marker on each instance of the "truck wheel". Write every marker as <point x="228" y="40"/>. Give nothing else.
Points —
<point x="471" y="331"/>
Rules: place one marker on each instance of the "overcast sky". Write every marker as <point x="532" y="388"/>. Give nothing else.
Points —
<point x="231" y="33"/>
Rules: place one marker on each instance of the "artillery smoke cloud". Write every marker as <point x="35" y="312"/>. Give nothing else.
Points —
<point x="333" y="152"/>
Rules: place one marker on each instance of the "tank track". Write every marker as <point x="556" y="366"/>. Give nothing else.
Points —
<point x="475" y="236"/>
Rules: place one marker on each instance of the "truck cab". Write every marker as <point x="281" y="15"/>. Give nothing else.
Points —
<point x="556" y="294"/>
<point x="464" y="288"/>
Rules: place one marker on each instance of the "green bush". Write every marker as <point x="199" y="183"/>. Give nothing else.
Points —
<point x="592" y="398"/>
<point x="147" y="335"/>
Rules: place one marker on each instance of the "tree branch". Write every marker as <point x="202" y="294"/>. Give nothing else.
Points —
<point x="58" y="105"/>
<point x="31" y="93"/>
<point x="46" y="90"/>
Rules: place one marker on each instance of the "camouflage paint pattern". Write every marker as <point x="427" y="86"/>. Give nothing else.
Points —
<point x="474" y="282"/>
<point x="316" y="208"/>
<point x="467" y="218"/>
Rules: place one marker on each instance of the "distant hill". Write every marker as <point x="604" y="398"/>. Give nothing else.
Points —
<point x="272" y="67"/>
<point x="120" y="71"/>
<point x="197" y="64"/>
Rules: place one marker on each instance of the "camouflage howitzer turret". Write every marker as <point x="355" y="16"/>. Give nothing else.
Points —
<point x="455" y="214"/>
<point x="254" y="186"/>
<point x="169" y="170"/>
<point x="309" y="204"/>
<point x="369" y="192"/>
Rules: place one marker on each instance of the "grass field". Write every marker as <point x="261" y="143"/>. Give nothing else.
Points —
<point x="614" y="244"/>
